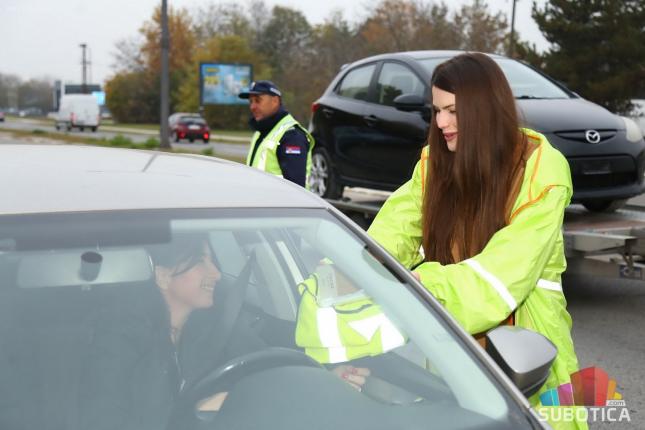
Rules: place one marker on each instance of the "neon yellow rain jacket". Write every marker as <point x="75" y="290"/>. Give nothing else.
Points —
<point x="518" y="270"/>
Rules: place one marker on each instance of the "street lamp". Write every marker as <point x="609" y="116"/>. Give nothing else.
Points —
<point x="511" y="45"/>
<point x="84" y="63"/>
<point x="165" y="90"/>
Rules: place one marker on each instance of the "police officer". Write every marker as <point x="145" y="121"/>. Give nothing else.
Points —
<point x="280" y="145"/>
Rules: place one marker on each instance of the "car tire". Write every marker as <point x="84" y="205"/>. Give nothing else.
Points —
<point x="323" y="180"/>
<point x="191" y="140"/>
<point x="205" y="141"/>
<point x="69" y="127"/>
<point x="57" y="127"/>
<point x="603" y="205"/>
<point x="81" y="128"/>
<point x="175" y="137"/>
<point x="94" y="129"/>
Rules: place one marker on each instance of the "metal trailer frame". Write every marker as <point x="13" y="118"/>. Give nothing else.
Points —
<point x="609" y="253"/>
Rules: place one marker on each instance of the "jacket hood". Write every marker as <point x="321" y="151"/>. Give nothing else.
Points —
<point x="546" y="115"/>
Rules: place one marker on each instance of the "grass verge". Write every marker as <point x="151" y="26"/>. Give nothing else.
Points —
<point x="118" y="141"/>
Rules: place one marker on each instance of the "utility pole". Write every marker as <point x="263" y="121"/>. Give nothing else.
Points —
<point x="165" y="90"/>
<point x="84" y="63"/>
<point x="511" y="45"/>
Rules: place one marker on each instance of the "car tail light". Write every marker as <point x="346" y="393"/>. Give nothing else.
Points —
<point x="314" y="107"/>
<point x="206" y="136"/>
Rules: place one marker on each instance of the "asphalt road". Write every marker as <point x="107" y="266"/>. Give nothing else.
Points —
<point x="609" y="332"/>
<point x="223" y="149"/>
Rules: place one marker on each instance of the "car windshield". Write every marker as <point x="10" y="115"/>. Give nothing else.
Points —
<point x="141" y="319"/>
<point x="525" y="82"/>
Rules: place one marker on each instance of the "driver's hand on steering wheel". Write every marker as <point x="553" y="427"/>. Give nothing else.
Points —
<point x="354" y="376"/>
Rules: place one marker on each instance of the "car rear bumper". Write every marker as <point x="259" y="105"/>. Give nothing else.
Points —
<point x="193" y="134"/>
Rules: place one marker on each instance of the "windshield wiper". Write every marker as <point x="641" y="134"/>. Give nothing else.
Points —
<point x="528" y="97"/>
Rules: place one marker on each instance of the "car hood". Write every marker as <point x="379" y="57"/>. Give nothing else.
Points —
<point x="551" y="115"/>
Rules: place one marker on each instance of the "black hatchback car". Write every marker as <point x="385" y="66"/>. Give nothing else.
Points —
<point x="371" y="123"/>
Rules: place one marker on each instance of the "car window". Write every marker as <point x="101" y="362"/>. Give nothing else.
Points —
<point x="86" y="327"/>
<point x="525" y="82"/>
<point x="356" y="83"/>
<point x="396" y="79"/>
<point x="192" y="120"/>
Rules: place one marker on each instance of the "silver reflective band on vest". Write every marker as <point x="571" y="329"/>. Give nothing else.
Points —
<point x="494" y="282"/>
<point x="345" y="331"/>
<point x="390" y="337"/>
<point x="549" y="285"/>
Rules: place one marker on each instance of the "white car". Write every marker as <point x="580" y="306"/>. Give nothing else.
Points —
<point x="89" y="338"/>
<point x="638" y="113"/>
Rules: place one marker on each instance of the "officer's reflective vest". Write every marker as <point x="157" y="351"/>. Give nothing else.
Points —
<point x="342" y="332"/>
<point x="266" y="157"/>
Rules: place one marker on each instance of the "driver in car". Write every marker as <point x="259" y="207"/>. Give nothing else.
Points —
<point x="163" y="337"/>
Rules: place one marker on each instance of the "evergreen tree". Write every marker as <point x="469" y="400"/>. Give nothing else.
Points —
<point x="598" y="47"/>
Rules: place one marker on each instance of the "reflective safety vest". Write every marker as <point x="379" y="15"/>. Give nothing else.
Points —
<point x="341" y="332"/>
<point x="518" y="271"/>
<point x="266" y="156"/>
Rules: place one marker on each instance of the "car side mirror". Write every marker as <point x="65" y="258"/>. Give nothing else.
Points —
<point x="524" y="355"/>
<point x="413" y="103"/>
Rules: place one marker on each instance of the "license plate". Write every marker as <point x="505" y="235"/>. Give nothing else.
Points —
<point x="596" y="167"/>
<point x="193" y="127"/>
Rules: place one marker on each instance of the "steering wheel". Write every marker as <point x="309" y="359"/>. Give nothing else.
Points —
<point x="225" y="376"/>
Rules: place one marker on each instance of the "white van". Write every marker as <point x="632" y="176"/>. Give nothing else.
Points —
<point x="78" y="110"/>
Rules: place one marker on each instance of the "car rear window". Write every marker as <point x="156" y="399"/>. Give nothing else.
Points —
<point x="188" y="121"/>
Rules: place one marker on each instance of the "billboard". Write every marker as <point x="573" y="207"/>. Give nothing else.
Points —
<point x="220" y="83"/>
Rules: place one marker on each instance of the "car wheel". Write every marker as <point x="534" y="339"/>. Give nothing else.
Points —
<point x="191" y="140"/>
<point x="323" y="180"/>
<point x="81" y="128"/>
<point x="69" y="127"/>
<point x="94" y="129"/>
<point x="205" y="141"/>
<point x="57" y="127"/>
<point x="175" y="137"/>
<point x="603" y="205"/>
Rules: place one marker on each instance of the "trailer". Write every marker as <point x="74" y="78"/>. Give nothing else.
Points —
<point x="607" y="245"/>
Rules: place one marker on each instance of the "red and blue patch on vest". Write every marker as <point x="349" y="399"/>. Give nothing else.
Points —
<point x="292" y="149"/>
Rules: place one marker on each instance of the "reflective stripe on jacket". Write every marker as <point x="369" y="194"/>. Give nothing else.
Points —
<point x="518" y="271"/>
<point x="342" y="332"/>
<point x="266" y="157"/>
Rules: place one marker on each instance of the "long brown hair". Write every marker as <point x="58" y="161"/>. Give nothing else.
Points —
<point x="466" y="198"/>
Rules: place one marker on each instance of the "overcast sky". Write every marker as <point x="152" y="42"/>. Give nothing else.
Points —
<point x="40" y="38"/>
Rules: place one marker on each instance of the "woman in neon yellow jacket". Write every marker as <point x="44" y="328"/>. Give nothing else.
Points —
<point x="480" y="220"/>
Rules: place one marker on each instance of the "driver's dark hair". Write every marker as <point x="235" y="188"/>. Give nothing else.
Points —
<point x="182" y="253"/>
